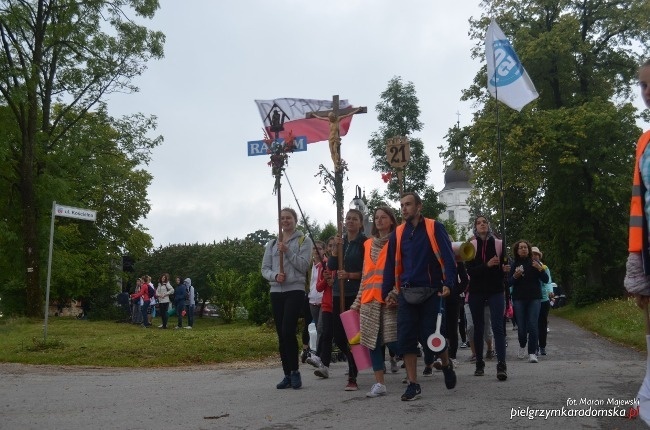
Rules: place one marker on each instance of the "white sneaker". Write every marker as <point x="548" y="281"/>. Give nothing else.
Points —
<point x="322" y="372"/>
<point x="189" y="327"/>
<point x="394" y="368"/>
<point x="160" y="326"/>
<point x="377" y="390"/>
<point x="314" y="360"/>
<point x="522" y="353"/>
<point x="532" y="358"/>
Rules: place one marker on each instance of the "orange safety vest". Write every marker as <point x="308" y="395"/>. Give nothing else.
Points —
<point x="430" y="227"/>
<point x="373" y="274"/>
<point x="637" y="215"/>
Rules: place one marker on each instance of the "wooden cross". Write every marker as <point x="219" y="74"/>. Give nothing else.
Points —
<point x="334" y="117"/>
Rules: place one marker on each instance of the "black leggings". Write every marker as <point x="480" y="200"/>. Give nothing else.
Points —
<point x="286" y="309"/>
<point x="163" y="308"/>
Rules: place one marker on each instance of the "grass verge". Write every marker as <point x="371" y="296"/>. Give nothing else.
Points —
<point x="104" y="343"/>
<point x="618" y="320"/>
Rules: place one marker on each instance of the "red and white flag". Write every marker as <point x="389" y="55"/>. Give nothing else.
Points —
<point x="295" y="121"/>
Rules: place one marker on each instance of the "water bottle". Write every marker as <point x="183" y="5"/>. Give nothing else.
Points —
<point x="312" y="336"/>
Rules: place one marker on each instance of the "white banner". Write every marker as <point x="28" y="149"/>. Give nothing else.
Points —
<point x="507" y="78"/>
<point x="78" y="213"/>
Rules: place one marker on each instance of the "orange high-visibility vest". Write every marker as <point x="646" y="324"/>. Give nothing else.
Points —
<point x="637" y="216"/>
<point x="373" y="274"/>
<point x="430" y="227"/>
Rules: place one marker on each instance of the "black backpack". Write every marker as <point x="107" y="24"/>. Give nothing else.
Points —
<point x="152" y="292"/>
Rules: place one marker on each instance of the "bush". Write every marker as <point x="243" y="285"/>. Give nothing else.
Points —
<point x="257" y="298"/>
<point x="227" y="286"/>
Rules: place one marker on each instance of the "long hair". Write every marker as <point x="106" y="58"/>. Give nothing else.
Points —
<point x="388" y="211"/>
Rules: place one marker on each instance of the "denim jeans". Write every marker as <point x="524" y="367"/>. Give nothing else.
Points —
<point x="527" y="320"/>
<point x="144" y="309"/>
<point x="190" y="315"/>
<point x="497" y="304"/>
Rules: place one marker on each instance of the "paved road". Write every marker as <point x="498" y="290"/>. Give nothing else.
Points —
<point x="580" y="366"/>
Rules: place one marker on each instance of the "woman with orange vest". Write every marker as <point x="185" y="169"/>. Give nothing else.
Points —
<point x="637" y="276"/>
<point x="377" y="321"/>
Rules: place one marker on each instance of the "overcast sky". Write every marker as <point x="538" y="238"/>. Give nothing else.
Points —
<point x="222" y="55"/>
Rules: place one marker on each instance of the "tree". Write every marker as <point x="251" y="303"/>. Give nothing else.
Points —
<point x="58" y="60"/>
<point x="567" y="157"/>
<point x="260" y="237"/>
<point x="398" y="113"/>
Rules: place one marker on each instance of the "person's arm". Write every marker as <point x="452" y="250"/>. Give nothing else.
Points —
<point x="447" y="255"/>
<point x="267" y="262"/>
<point x="388" y="281"/>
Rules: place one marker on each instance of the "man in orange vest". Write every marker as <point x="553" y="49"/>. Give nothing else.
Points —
<point x="422" y="266"/>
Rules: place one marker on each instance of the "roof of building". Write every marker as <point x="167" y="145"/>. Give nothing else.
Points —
<point x="456" y="179"/>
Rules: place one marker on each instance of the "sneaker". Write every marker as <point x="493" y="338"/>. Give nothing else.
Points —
<point x="413" y="391"/>
<point x="522" y="353"/>
<point x="437" y="364"/>
<point x="177" y="327"/>
<point x="189" y="327"/>
<point x="502" y="371"/>
<point x="472" y="359"/>
<point x="464" y="345"/>
<point x="377" y="390"/>
<point x="304" y="355"/>
<point x="427" y="371"/>
<point x="489" y="355"/>
<point x="393" y="366"/>
<point x="480" y="368"/>
<point x="160" y="326"/>
<point x="450" y="375"/>
<point x="405" y="380"/>
<point x="285" y="383"/>
<point x="532" y="358"/>
<point x="314" y="360"/>
<point x="453" y="360"/>
<point x="542" y="351"/>
<point x="322" y="372"/>
<point x="352" y="385"/>
<point x="296" y="381"/>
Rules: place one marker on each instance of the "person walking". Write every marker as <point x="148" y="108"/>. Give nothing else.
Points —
<point x="526" y="277"/>
<point x="544" y="305"/>
<point x="180" y="294"/>
<point x="422" y="265"/>
<point x="190" y="303"/>
<point x="287" y="290"/>
<point x="378" y="322"/>
<point x="486" y="288"/>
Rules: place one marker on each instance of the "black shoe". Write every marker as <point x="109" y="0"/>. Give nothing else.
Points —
<point x="295" y="380"/>
<point x="489" y="355"/>
<point x="450" y="375"/>
<point x="285" y="383"/>
<point x="502" y="371"/>
<point x="427" y="371"/>
<point x="412" y="392"/>
<point x="480" y="368"/>
<point x="304" y="355"/>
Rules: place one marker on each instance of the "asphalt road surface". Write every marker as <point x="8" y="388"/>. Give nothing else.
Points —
<point x="583" y="378"/>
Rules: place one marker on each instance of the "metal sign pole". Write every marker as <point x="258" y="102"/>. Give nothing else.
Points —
<point x="49" y="273"/>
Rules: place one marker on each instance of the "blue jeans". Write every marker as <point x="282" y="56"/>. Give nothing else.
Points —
<point x="179" y="306"/>
<point x="377" y="354"/>
<point x="497" y="304"/>
<point x="527" y="320"/>
<point x="190" y="315"/>
<point x="144" y="309"/>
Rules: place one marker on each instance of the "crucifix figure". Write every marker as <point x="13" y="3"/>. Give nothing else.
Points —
<point x="334" y="117"/>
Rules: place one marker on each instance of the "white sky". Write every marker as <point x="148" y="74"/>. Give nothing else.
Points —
<point x="222" y="55"/>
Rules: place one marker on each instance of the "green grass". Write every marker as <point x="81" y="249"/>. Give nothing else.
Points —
<point x="103" y="343"/>
<point x="618" y="320"/>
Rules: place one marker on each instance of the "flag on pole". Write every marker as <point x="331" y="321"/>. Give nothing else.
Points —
<point x="507" y="78"/>
<point x="295" y="111"/>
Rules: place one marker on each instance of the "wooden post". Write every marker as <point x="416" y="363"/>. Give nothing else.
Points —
<point x="334" y="117"/>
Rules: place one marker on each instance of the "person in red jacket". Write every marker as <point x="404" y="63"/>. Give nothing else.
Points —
<point x="146" y="299"/>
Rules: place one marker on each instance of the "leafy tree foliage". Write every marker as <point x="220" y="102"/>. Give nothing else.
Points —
<point x="58" y="60"/>
<point x="227" y="285"/>
<point x="398" y="113"/>
<point x="261" y="237"/>
<point x="568" y="156"/>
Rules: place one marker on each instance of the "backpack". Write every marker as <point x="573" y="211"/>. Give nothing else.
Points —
<point x="187" y="294"/>
<point x="152" y="292"/>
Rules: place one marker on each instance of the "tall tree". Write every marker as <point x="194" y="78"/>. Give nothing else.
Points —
<point x="398" y="112"/>
<point x="567" y="157"/>
<point x="58" y="59"/>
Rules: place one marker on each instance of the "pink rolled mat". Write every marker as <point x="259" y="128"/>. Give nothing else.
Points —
<point x="361" y="354"/>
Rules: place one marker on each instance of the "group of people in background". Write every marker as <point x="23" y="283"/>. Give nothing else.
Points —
<point x="148" y="300"/>
<point x="399" y="279"/>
